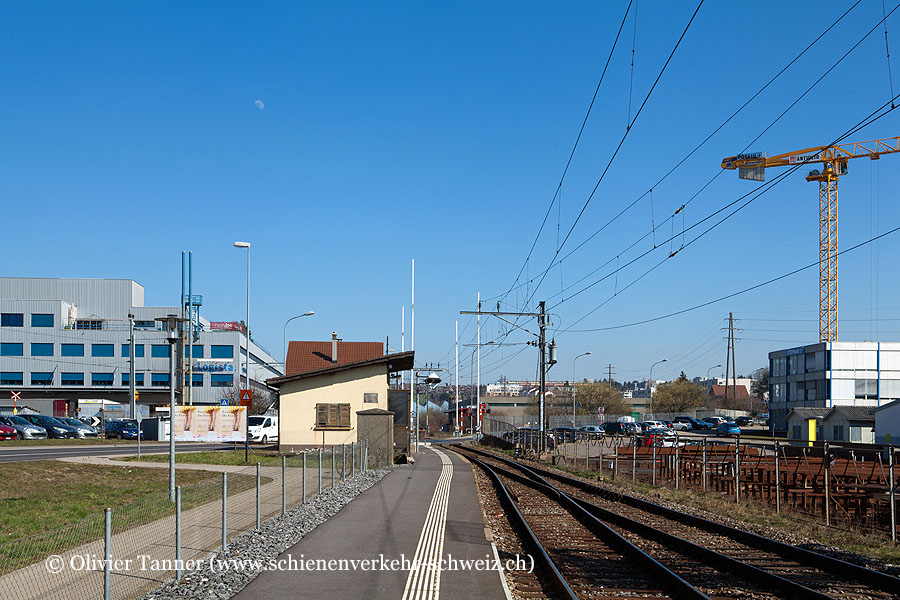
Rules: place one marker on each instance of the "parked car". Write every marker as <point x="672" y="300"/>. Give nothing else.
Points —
<point x="263" y="429"/>
<point x="619" y="428"/>
<point x="648" y="425"/>
<point x="529" y="437"/>
<point x="7" y="432"/>
<point x="123" y="429"/>
<point x="728" y="428"/>
<point x="84" y="430"/>
<point x="565" y="434"/>
<point x="715" y="420"/>
<point x="659" y="436"/>
<point x="682" y="424"/>
<point x="590" y="430"/>
<point x="25" y="430"/>
<point x="55" y="428"/>
<point x="744" y="421"/>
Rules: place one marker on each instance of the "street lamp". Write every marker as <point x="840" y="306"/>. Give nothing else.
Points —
<point x="432" y="379"/>
<point x="171" y="322"/>
<point x="650" y="382"/>
<point x="308" y="313"/>
<point x="247" y="333"/>
<point x="710" y="369"/>
<point x="574" y="386"/>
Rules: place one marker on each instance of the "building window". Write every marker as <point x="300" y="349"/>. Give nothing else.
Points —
<point x="218" y="380"/>
<point x="138" y="350"/>
<point x="838" y="431"/>
<point x="332" y="416"/>
<point x="866" y="389"/>
<point x="795" y="434"/>
<point x="42" y="349"/>
<point x="103" y="350"/>
<point x="72" y="378"/>
<point x="159" y="351"/>
<point x="195" y="351"/>
<point x="12" y="320"/>
<point x="138" y="379"/>
<point x="71" y="349"/>
<point x="197" y="379"/>
<point x="41" y="320"/>
<point x="159" y="379"/>
<point x="370" y="398"/>
<point x="855" y="434"/>
<point x="42" y="379"/>
<point x="11" y="349"/>
<point x="221" y="351"/>
<point x="88" y="324"/>
<point x="145" y="324"/>
<point x="10" y="378"/>
<point x="101" y="379"/>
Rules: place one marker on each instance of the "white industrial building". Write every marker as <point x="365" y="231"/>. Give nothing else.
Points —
<point x="830" y="374"/>
<point x="64" y="347"/>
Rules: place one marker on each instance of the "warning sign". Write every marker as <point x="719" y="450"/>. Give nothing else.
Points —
<point x="246" y="397"/>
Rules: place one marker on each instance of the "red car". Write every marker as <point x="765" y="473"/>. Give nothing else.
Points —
<point x="7" y="432"/>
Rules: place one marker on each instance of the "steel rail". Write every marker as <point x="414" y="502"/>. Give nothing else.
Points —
<point x="679" y="587"/>
<point x="828" y="564"/>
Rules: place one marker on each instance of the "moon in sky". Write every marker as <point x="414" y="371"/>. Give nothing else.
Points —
<point x="259" y="104"/>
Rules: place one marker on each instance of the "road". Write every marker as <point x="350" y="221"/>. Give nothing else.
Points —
<point x="26" y="453"/>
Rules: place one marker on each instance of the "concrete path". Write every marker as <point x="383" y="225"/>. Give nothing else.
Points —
<point x="427" y="511"/>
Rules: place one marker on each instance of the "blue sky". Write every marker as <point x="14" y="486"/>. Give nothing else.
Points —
<point x="439" y="132"/>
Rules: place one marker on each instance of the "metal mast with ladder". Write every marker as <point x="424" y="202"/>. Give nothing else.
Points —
<point x="834" y="159"/>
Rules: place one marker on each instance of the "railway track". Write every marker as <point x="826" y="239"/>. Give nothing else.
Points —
<point x="721" y="561"/>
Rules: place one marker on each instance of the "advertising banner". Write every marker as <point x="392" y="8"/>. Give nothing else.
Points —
<point x="210" y="423"/>
<point x="225" y="326"/>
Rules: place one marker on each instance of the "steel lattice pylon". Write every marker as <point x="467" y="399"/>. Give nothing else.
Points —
<point x="828" y="256"/>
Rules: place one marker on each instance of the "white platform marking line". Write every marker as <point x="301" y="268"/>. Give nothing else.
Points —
<point x="423" y="582"/>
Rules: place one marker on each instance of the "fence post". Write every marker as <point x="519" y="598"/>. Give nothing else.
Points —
<point x="107" y="553"/>
<point x="703" y="467"/>
<point x="343" y="461"/>
<point x="892" y="491"/>
<point x="600" y="464"/>
<point x="303" y="485"/>
<point x="319" y="461"/>
<point x="777" y="478"/>
<point x="224" y="512"/>
<point x="737" y="470"/>
<point x="257" y="497"/>
<point x="634" y="457"/>
<point x="616" y="461"/>
<point x="653" y="443"/>
<point x="353" y="459"/>
<point x="178" y="533"/>
<point x="283" y="484"/>
<point x="365" y="463"/>
<point x="827" y="462"/>
<point x="677" y="456"/>
<point x="332" y="465"/>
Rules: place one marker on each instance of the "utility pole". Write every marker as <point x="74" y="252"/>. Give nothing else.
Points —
<point x="478" y="376"/>
<point x="729" y="356"/>
<point x="610" y="368"/>
<point x="132" y="403"/>
<point x="540" y="342"/>
<point x="456" y="376"/>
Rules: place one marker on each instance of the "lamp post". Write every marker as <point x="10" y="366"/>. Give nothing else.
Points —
<point x="247" y="334"/>
<point x="171" y="322"/>
<point x="432" y="379"/>
<point x="574" y="386"/>
<point x="308" y="313"/>
<point x="710" y="369"/>
<point x="650" y="382"/>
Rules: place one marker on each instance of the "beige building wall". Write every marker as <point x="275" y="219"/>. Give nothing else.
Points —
<point x="297" y="414"/>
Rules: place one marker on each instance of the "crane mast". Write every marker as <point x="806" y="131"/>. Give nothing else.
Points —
<point x="834" y="159"/>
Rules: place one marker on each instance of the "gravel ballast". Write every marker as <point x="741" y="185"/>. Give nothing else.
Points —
<point x="259" y="547"/>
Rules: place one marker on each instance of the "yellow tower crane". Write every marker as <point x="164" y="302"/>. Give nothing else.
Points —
<point x="834" y="164"/>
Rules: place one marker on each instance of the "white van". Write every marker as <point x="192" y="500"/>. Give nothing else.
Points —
<point x="263" y="428"/>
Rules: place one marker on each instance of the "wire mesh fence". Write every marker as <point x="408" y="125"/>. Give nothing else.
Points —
<point x="128" y="550"/>
<point x="851" y="486"/>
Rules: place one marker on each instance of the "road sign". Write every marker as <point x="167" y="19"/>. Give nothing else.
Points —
<point x="16" y="396"/>
<point x="246" y="397"/>
<point x="95" y="421"/>
<point x="224" y="401"/>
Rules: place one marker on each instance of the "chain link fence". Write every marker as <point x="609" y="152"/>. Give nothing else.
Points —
<point x="128" y="550"/>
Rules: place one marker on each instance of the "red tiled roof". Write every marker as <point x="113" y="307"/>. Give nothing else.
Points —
<point x="303" y="357"/>
<point x="741" y="392"/>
